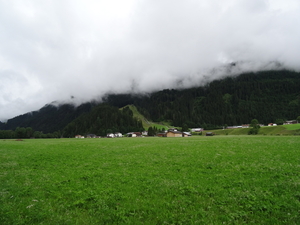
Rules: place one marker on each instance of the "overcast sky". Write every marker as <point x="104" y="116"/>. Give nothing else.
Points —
<point x="53" y="49"/>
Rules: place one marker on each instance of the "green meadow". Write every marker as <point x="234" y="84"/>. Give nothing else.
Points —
<point x="197" y="180"/>
<point x="292" y="126"/>
<point x="291" y="129"/>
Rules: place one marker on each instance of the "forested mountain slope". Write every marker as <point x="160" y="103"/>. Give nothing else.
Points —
<point x="48" y="119"/>
<point x="265" y="96"/>
<point x="103" y="119"/>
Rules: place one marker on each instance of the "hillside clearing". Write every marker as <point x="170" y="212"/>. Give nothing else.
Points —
<point x="147" y="123"/>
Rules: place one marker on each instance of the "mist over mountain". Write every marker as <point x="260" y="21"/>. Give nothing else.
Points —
<point x="232" y="100"/>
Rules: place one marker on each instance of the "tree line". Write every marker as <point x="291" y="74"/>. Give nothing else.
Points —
<point x="27" y="132"/>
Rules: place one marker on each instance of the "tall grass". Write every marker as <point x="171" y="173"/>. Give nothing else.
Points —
<point x="199" y="180"/>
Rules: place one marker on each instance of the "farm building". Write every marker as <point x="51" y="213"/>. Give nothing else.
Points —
<point x="134" y="134"/>
<point x="210" y="134"/>
<point x="197" y="129"/>
<point x="118" y="134"/>
<point x="272" y="124"/>
<point x="161" y="134"/>
<point x="110" y="135"/>
<point x="290" y="122"/>
<point x="173" y="133"/>
<point x="186" y="134"/>
<point x="79" y="136"/>
<point x="113" y="135"/>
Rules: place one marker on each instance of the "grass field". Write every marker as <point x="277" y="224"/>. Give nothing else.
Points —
<point x="292" y="129"/>
<point x="292" y="126"/>
<point x="197" y="180"/>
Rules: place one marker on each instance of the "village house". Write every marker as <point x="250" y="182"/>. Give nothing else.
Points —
<point x="118" y="134"/>
<point x="110" y="135"/>
<point x="173" y="133"/>
<point x="272" y="124"/>
<point x="197" y="129"/>
<point x="232" y="127"/>
<point x="134" y="134"/>
<point x="186" y="134"/>
<point x="79" y="136"/>
<point x="113" y="135"/>
<point x="209" y="134"/>
<point x="138" y="134"/>
<point x="290" y="122"/>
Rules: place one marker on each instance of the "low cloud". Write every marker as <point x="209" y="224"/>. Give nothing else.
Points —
<point x="53" y="50"/>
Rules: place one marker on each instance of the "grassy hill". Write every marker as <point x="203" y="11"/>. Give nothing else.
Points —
<point x="292" y="129"/>
<point x="147" y="123"/>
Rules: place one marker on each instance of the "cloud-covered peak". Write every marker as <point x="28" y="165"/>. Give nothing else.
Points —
<point x="52" y="50"/>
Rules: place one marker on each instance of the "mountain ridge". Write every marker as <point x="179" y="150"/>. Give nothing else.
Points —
<point x="231" y="100"/>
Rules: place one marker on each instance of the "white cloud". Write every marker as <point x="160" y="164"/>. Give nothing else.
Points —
<point x="51" y="50"/>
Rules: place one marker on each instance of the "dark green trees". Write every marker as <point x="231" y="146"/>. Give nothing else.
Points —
<point x="184" y="127"/>
<point x="25" y="133"/>
<point x="151" y="131"/>
<point x="266" y="95"/>
<point x="103" y="119"/>
<point x="279" y="121"/>
<point x="254" y="127"/>
<point x="49" y="118"/>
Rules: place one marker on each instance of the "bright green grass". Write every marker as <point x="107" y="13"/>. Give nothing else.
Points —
<point x="272" y="130"/>
<point x="292" y="126"/>
<point x="198" y="180"/>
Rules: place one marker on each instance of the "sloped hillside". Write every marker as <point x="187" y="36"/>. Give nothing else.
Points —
<point x="147" y="123"/>
<point x="50" y="118"/>
<point x="103" y="119"/>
